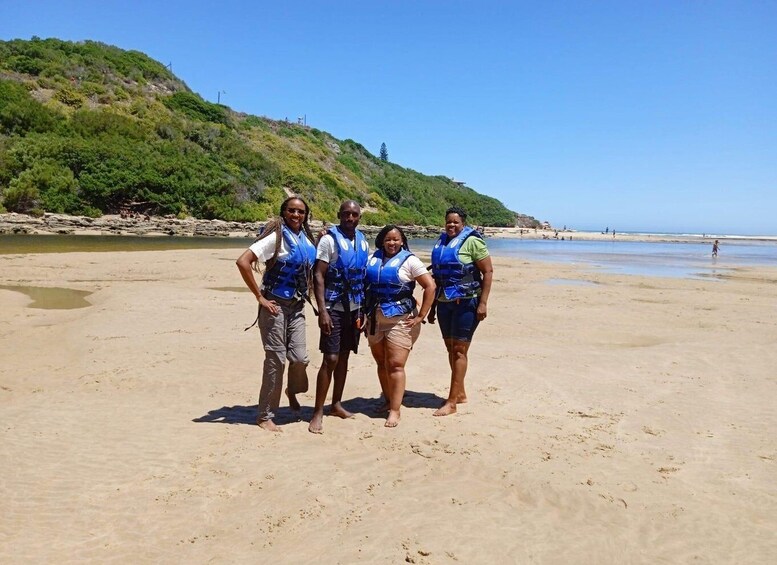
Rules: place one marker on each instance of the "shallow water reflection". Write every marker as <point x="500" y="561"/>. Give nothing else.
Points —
<point x="52" y="298"/>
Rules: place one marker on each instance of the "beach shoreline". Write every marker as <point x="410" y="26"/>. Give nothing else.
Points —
<point x="155" y="226"/>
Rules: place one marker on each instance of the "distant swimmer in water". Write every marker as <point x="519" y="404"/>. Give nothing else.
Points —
<point x="715" y="248"/>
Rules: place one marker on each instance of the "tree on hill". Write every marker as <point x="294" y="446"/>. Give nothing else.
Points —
<point x="383" y="152"/>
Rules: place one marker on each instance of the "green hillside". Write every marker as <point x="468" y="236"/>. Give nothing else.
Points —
<point x="91" y="129"/>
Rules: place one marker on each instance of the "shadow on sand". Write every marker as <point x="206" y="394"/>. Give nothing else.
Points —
<point x="371" y="406"/>
<point x="360" y="405"/>
<point x="244" y="415"/>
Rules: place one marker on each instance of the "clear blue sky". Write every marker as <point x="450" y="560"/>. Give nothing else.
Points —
<point x="658" y="115"/>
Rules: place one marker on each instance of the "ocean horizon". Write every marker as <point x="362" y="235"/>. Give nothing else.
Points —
<point x="684" y="233"/>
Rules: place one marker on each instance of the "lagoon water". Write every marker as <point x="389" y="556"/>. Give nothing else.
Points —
<point x="13" y="244"/>
<point x="666" y="259"/>
<point x="657" y="259"/>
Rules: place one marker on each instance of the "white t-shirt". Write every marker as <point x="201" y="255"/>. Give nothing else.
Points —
<point x="264" y="249"/>
<point x="411" y="269"/>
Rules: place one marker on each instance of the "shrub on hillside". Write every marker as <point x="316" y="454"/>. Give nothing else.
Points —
<point x="196" y="108"/>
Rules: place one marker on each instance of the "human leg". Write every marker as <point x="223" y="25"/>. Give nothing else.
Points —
<point x="379" y="354"/>
<point x="329" y="344"/>
<point x="346" y="336"/>
<point x="323" y="380"/>
<point x="457" y="359"/>
<point x="396" y="358"/>
<point x="340" y="374"/>
<point x="297" y="356"/>
<point x="271" y="329"/>
<point x="460" y="325"/>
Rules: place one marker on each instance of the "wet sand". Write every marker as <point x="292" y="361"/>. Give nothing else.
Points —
<point x="620" y="419"/>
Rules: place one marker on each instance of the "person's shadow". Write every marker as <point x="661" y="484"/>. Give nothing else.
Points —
<point x="360" y="405"/>
<point x="372" y="406"/>
<point x="245" y="415"/>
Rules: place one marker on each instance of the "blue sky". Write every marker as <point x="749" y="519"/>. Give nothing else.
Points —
<point x="631" y="115"/>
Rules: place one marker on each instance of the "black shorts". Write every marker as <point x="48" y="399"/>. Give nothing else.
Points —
<point x="458" y="320"/>
<point x="346" y="330"/>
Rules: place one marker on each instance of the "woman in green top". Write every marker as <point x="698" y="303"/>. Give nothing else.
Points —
<point x="462" y="270"/>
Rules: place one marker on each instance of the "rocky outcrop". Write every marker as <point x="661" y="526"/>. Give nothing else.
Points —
<point x="116" y="225"/>
<point x="155" y="226"/>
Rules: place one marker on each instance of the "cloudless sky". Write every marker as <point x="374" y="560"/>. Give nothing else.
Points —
<point x="632" y="115"/>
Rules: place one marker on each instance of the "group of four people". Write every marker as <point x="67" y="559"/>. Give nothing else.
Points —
<point x="356" y="292"/>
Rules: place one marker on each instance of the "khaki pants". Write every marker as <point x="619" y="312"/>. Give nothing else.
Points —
<point x="283" y="337"/>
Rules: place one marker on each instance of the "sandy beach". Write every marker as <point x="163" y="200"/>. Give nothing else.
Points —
<point x="612" y="419"/>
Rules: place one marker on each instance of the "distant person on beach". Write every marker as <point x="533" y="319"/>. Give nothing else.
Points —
<point x="338" y="282"/>
<point x="286" y="249"/>
<point x="393" y="321"/>
<point x="715" y="248"/>
<point x="462" y="270"/>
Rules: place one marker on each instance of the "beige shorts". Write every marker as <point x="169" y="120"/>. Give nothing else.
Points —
<point x="393" y="330"/>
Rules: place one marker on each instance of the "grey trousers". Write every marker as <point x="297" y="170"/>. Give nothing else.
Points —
<point x="283" y="337"/>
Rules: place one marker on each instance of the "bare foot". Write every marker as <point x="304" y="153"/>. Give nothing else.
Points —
<point x="316" y="423"/>
<point x="268" y="425"/>
<point x="293" y="402"/>
<point x="446" y="409"/>
<point x="338" y="410"/>
<point x="393" y="419"/>
<point x="462" y="399"/>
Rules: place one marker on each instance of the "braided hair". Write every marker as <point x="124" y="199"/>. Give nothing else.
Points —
<point x="275" y="225"/>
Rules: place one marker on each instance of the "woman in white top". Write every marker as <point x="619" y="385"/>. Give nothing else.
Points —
<point x="286" y="250"/>
<point x="393" y="323"/>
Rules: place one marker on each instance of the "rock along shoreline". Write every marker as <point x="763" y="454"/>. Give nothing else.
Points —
<point x="156" y="226"/>
<point x="63" y="224"/>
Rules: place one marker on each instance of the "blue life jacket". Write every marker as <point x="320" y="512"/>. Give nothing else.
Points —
<point x="454" y="279"/>
<point x="384" y="289"/>
<point x="288" y="277"/>
<point x="344" y="281"/>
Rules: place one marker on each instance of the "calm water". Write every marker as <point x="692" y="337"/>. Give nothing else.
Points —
<point x="52" y="298"/>
<point x="102" y="243"/>
<point x="682" y="260"/>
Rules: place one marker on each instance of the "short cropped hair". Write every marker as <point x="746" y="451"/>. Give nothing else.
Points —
<point x="457" y="210"/>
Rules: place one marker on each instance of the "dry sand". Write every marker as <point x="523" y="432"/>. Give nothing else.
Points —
<point x="625" y="420"/>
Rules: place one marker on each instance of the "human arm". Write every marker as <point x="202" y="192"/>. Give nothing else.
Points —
<point x="320" y="267"/>
<point x="427" y="283"/>
<point x="432" y="315"/>
<point x="487" y="272"/>
<point x="245" y="265"/>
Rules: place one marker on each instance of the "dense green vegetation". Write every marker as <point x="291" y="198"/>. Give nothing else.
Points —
<point x="87" y="128"/>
